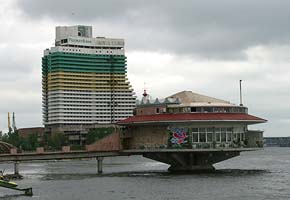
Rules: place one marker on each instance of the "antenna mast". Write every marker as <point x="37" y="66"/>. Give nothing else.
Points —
<point x="241" y="99"/>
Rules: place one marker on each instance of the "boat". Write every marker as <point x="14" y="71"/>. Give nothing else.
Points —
<point x="7" y="183"/>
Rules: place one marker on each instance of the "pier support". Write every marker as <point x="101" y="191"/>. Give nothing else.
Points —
<point x="16" y="168"/>
<point x="100" y="165"/>
<point x="191" y="161"/>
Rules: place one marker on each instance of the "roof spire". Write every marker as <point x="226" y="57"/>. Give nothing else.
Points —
<point x="145" y="92"/>
<point x="145" y="95"/>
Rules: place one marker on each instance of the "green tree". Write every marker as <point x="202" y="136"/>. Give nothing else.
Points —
<point x="13" y="138"/>
<point x="57" y="140"/>
<point x="29" y="143"/>
<point x="97" y="134"/>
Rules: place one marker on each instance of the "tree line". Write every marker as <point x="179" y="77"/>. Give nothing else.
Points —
<point x="53" y="141"/>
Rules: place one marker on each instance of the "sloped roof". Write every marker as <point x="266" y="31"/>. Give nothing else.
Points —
<point x="192" y="117"/>
<point x="189" y="97"/>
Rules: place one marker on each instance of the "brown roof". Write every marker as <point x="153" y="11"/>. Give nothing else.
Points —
<point x="190" y="97"/>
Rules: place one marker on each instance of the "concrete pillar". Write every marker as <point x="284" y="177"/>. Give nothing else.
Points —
<point x="100" y="165"/>
<point x="191" y="161"/>
<point x="16" y="168"/>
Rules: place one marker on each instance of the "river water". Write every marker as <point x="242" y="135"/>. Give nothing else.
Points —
<point x="258" y="175"/>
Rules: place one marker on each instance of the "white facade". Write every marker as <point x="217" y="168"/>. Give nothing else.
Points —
<point x="80" y="96"/>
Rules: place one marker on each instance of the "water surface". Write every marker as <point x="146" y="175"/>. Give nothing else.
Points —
<point x="255" y="175"/>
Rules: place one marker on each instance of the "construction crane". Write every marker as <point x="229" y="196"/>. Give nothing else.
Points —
<point x="13" y="128"/>
<point x="9" y="123"/>
<point x="14" y="123"/>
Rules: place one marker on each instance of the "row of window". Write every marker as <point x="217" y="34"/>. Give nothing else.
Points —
<point x="81" y="106"/>
<point x="105" y="85"/>
<point x="93" y="47"/>
<point x="68" y="90"/>
<point x="91" y="113"/>
<point x="96" y="116"/>
<point x="92" y="98"/>
<point x="91" y="102"/>
<point x="82" y="85"/>
<point x="80" y="121"/>
<point x="216" y="134"/>
<point x="98" y="79"/>
<point x="95" y="94"/>
<point x="90" y="47"/>
<point x="208" y="110"/>
<point x="90" y="75"/>
<point x="83" y="53"/>
<point x="121" y="107"/>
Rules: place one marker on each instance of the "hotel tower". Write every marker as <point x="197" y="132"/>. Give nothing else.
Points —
<point x="84" y="81"/>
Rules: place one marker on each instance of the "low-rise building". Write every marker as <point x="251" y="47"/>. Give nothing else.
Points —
<point x="190" y="120"/>
<point x="25" y="132"/>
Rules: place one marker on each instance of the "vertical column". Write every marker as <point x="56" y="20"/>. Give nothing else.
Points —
<point x="213" y="134"/>
<point x="100" y="164"/>
<point x="16" y="168"/>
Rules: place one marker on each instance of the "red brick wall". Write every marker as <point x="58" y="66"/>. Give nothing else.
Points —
<point x="24" y="132"/>
<point x="108" y="143"/>
<point x="148" y="137"/>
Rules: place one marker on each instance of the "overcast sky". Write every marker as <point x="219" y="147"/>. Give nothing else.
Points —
<point x="205" y="46"/>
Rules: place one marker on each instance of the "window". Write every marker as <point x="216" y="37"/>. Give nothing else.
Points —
<point x="229" y="134"/>
<point x="202" y="135"/>
<point x="209" y="134"/>
<point x="223" y="135"/>
<point x="208" y="109"/>
<point x="157" y="110"/>
<point x="218" y="134"/>
<point x="194" y="137"/>
<point x="193" y="109"/>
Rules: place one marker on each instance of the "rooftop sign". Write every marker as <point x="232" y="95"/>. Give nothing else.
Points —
<point x="96" y="41"/>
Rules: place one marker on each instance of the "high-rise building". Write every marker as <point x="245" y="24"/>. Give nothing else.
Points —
<point x="84" y="80"/>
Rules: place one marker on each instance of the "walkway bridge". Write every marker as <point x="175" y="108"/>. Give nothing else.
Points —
<point x="5" y="147"/>
<point x="110" y="146"/>
<point x="178" y="159"/>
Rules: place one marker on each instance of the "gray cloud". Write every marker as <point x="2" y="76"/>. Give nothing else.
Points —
<point x="189" y="45"/>
<point x="212" y="29"/>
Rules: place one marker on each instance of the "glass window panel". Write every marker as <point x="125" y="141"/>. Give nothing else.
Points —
<point x="202" y="130"/>
<point x="229" y="129"/>
<point x="238" y="136"/>
<point x="195" y="130"/>
<point x="217" y="130"/>
<point x="208" y="109"/>
<point x="198" y="109"/>
<point x="235" y="136"/>
<point x="223" y="134"/>
<point x="220" y="109"/>
<point x="217" y="136"/>
<point x="209" y="137"/>
<point x="202" y="137"/>
<point x="227" y="110"/>
<point x="243" y="136"/>
<point x="193" y="109"/>
<point x="195" y="137"/>
<point x="209" y="130"/>
<point x="229" y="137"/>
